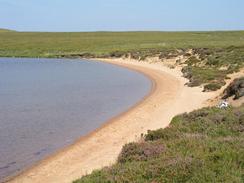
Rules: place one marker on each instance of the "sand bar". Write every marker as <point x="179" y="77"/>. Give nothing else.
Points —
<point x="168" y="98"/>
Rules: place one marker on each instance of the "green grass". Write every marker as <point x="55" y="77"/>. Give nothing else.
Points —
<point x="206" y="145"/>
<point x="5" y="30"/>
<point x="44" y="44"/>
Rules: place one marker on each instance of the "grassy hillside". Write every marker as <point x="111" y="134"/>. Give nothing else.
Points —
<point x="35" y="44"/>
<point x="206" y="145"/>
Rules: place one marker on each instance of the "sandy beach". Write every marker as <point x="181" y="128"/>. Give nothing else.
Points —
<point x="168" y="97"/>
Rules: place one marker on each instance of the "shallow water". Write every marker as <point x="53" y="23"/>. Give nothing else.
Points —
<point x="46" y="104"/>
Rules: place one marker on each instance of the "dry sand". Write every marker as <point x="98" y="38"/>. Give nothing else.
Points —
<point x="168" y="98"/>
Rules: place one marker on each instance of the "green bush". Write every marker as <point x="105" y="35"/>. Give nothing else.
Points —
<point x="212" y="86"/>
<point x="117" y="54"/>
<point x="236" y="89"/>
<point x="192" y="61"/>
<point x="165" y="134"/>
<point x="140" y="151"/>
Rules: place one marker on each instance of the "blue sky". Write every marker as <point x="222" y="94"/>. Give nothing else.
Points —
<point x="120" y="15"/>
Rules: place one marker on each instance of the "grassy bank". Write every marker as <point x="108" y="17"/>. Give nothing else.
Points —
<point x="206" y="145"/>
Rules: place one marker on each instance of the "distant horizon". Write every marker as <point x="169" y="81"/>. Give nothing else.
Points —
<point x="230" y="30"/>
<point x="121" y="15"/>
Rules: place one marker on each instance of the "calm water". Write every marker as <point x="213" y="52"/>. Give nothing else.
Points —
<point x="48" y="104"/>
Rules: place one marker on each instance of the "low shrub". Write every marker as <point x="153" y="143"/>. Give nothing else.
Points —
<point x="212" y="87"/>
<point x="165" y="134"/>
<point x="192" y="61"/>
<point x="140" y="151"/>
<point x="236" y="89"/>
<point x="117" y="54"/>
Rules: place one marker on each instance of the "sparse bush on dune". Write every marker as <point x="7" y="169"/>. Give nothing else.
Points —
<point x="140" y="151"/>
<point x="117" y="54"/>
<point x="236" y="89"/>
<point x="77" y="55"/>
<point x="191" y="61"/>
<point x="164" y="134"/>
<point x="207" y="69"/>
<point x="205" y="145"/>
<point x="212" y="86"/>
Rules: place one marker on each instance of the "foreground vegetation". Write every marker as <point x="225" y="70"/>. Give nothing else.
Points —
<point x="214" y="54"/>
<point x="206" y="145"/>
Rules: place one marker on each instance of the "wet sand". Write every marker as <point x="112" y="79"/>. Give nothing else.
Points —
<point x="169" y="97"/>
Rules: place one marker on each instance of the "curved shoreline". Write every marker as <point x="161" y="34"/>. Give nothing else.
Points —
<point x="167" y="98"/>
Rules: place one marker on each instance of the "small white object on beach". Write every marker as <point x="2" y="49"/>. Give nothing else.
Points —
<point x="223" y="104"/>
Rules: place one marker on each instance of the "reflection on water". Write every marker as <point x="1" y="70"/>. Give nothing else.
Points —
<point x="45" y="104"/>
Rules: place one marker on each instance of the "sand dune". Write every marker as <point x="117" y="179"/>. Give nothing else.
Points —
<point x="168" y="98"/>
